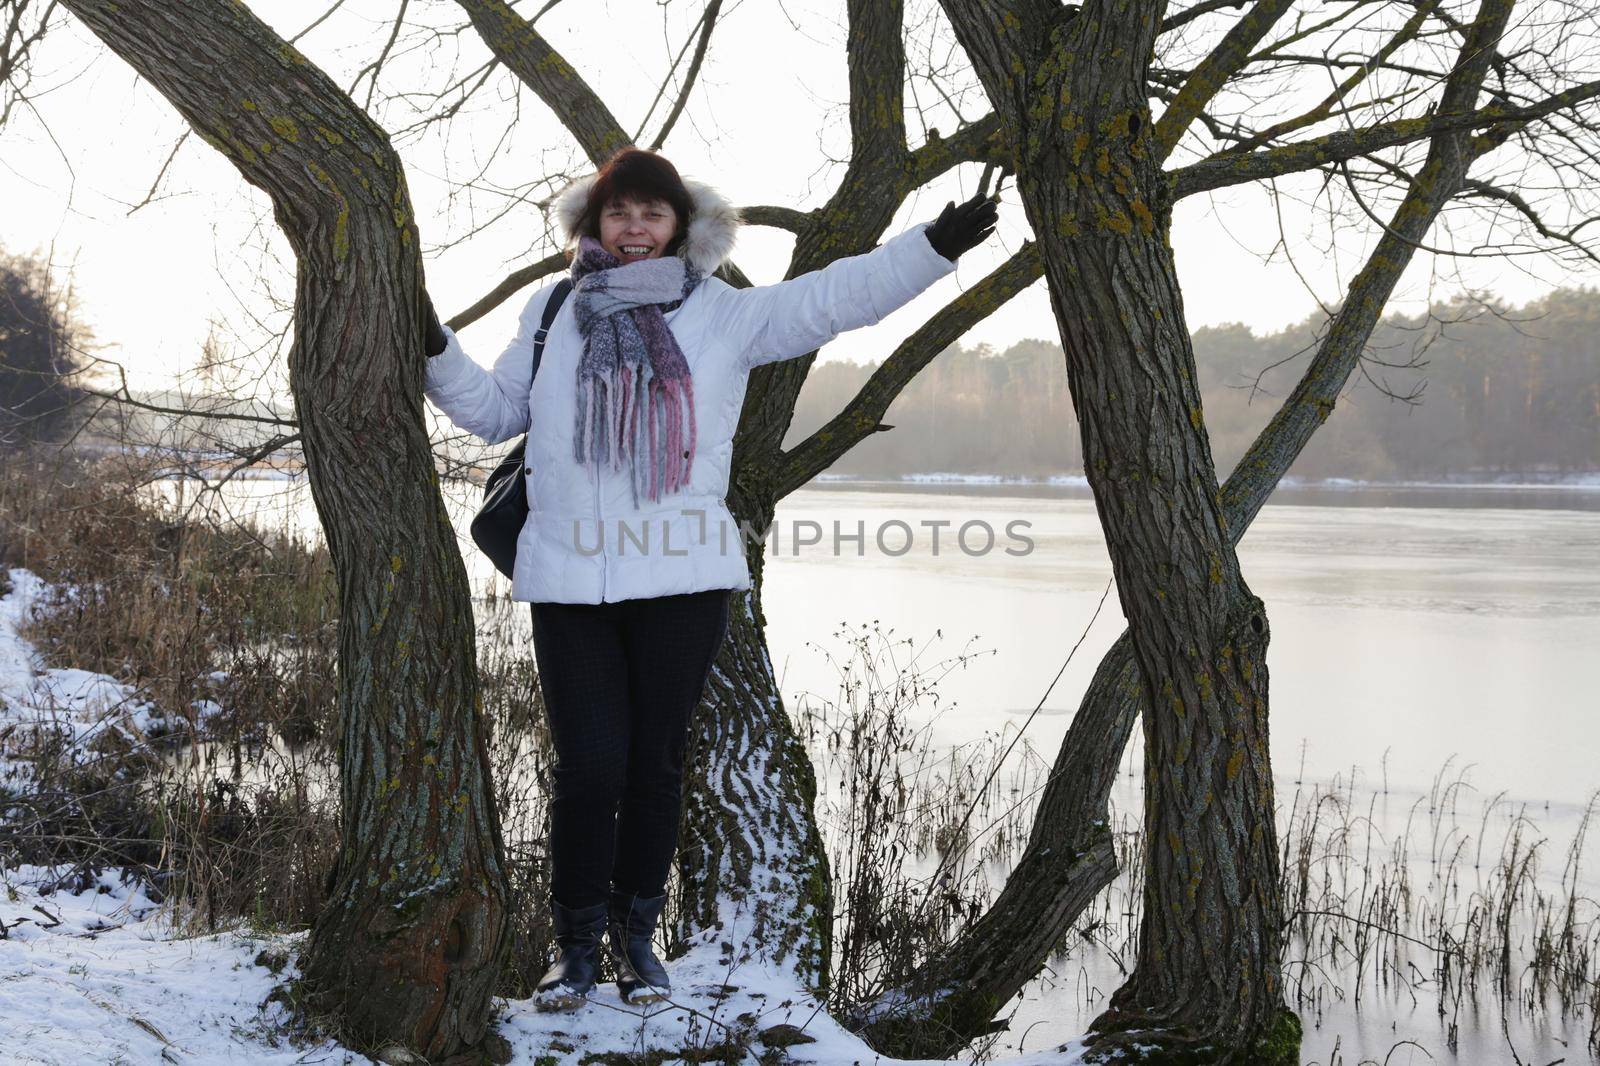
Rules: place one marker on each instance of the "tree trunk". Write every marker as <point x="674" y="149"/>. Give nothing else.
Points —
<point x="751" y="859"/>
<point x="754" y="873"/>
<point x="408" y="948"/>
<point x="1073" y="93"/>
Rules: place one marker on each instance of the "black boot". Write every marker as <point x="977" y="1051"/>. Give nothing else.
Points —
<point x="640" y="976"/>
<point x="566" y="984"/>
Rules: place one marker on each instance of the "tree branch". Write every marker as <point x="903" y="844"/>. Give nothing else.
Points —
<point x="1324" y="109"/>
<point x="1225" y="168"/>
<point x="514" y="281"/>
<point x="527" y="54"/>
<point x="708" y="20"/>
<point x="877" y="60"/>
<point x="1213" y="72"/>
<point x="1511" y="198"/>
<point x="1188" y="15"/>
<point x="785" y="218"/>
<point x="976" y="142"/>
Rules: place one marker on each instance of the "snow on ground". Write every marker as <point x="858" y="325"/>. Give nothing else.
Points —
<point x="99" y="976"/>
<point x="101" y="973"/>
<point x="80" y="705"/>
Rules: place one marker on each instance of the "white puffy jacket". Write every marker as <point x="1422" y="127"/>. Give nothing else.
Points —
<point x="584" y="542"/>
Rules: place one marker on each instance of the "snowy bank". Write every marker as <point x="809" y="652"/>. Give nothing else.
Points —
<point x="81" y="707"/>
<point x="99" y="975"/>
<point x="95" y="970"/>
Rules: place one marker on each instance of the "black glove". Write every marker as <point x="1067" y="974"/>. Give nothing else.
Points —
<point x="436" y="341"/>
<point x="958" y="229"/>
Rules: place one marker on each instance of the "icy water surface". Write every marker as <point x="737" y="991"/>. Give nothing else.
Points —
<point x="1400" y="635"/>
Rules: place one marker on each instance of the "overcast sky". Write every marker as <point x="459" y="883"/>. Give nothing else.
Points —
<point x="763" y="124"/>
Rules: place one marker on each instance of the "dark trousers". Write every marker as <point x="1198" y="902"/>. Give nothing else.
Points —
<point x="620" y="682"/>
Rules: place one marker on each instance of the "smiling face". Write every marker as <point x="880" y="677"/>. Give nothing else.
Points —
<point x="633" y="230"/>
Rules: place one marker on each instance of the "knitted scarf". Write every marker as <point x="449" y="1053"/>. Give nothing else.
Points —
<point x="635" y="396"/>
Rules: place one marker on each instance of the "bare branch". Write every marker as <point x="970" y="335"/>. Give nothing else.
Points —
<point x="1206" y="7"/>
<point x="877" y="60"/>
<point x="1450" y="155"/>
<point x="16" y="45"/>
<point x="125" y="398"/>
<point x="708" y="22"/>
<point x="1324" y="109"/>
<point x="324" y="17"/>
<point x="376" y="66"/>
<point x="1226" y="169"/>
<point x="786" y="218"/>
<point x="1514" y="200"/>
<point x="1209" y="78"/>
<point x="156" y="184"/>
<point x="527" y="54"/>
<point x="516" y="280"/>
<point x="977" y="141"/>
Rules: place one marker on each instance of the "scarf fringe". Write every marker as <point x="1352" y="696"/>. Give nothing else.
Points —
<point x="660" y="459"/>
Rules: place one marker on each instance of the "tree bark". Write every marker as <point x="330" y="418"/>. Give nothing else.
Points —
<point x="753" y="870"/>
<point x="407" y="950"/>
<point x="1073" y="94"/>
<point x="953" y="999"/>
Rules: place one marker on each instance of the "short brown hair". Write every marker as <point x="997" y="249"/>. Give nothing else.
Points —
<point x="637" y="174"/>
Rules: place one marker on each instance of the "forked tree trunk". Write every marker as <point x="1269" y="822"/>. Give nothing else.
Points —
<point x="753" y="866"/>
<point x="1073" y="93"/>
<point x="407" y="950"/>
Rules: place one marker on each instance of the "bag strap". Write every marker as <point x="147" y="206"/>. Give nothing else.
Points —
<point x="551" y="306"/>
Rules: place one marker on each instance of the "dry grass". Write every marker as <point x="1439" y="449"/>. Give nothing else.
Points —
<point x="911" y="830"/>
<point x="1456" y="907"/>
<point x="226" y="633"/>
<point x="188" y="609"/>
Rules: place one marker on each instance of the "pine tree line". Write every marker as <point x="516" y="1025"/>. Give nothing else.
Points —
<point x="1468" y="390"/>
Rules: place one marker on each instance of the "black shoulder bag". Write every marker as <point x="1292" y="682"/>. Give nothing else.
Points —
<point x="505" y="495"/>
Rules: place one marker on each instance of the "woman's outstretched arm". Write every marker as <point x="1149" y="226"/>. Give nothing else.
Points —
<point x="791" y="318"/>
<point x="798" y="316"/>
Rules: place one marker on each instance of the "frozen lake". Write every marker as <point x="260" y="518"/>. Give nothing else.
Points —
<point x="1401" y="635"/>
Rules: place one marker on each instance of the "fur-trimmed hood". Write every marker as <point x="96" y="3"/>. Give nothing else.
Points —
<point x="713" y="225"/>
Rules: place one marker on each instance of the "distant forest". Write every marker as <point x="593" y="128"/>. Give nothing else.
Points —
<point x="1468" y="391"/>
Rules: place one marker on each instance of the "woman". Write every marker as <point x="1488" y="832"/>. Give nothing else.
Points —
<point x="629" y="554"/>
